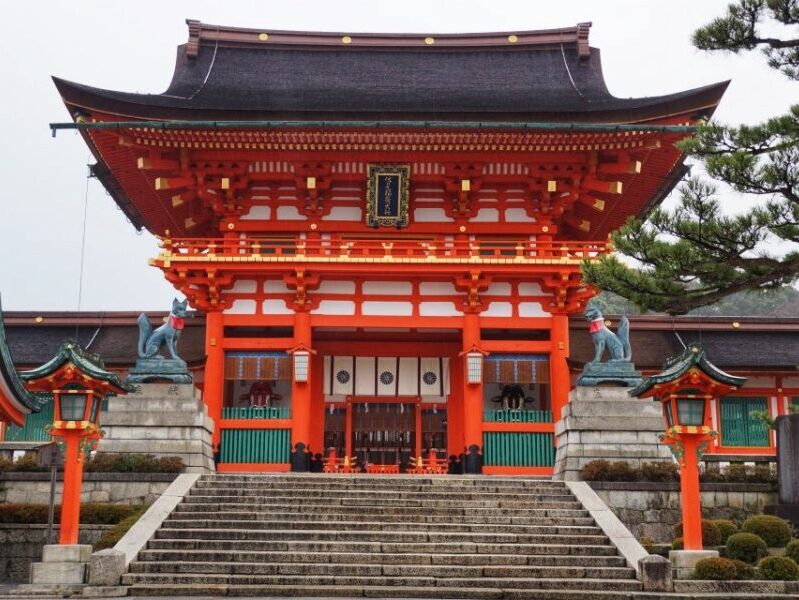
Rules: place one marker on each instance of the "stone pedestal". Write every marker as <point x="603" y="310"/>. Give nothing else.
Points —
<point x="163" y="419"/>
<point x="605" y="423"/>
<point x="787" y="428"/>
<point x="683" y="562"/>
<point x="62" y="565"/>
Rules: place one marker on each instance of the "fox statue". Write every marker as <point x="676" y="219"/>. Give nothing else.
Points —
<point x="167" y="335"/>
<point x="617" y="344"/>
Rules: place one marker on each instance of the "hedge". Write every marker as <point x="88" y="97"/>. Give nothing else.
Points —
<point x="93" y="513"/>
<point x="774" y="531"/>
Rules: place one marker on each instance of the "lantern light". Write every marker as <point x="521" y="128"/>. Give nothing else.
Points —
<point x="474" y="368"/>
<point x="691" y="411"/>
<point x="72" y="405"/>
<point x="301" y="361"/>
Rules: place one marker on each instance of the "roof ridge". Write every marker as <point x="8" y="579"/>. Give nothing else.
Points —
<point x="200" y="33"/>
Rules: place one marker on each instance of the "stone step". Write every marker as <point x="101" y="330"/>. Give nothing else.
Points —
<point x="361" y="535"/>
<point x="367" y="480"/>
<point x="410" y="486"/>
<point x="377" y="569"/>
<point x="154" y="560"/>
<point x="385" y="581"/>
<point x="322" y="509"/>
<point x="309" y="591"/>
<point x="294" y="525"/>
<point x="443" y="519"/>
<point x="357" y="502"/>
<point x="547" y="547"/>
<point x="382" y="495"/>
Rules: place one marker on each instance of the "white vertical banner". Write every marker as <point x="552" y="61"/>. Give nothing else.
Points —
<point x="343" y="375"/>
<point x="387" y="374"/>
<point x="445" y="377"/>
<point x="365" y="376"/>
<point x="408" y="376"/>
<point x="430" y="376"/>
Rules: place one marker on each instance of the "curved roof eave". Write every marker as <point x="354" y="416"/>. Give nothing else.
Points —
<point x="19" y="400"/>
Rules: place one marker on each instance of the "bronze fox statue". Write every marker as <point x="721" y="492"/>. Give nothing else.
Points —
<point x="617" y="344"/>
<point x="166" y="335"/>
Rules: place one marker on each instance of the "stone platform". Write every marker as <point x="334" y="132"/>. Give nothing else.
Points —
<point x="164" y="419"/>
<point x="603" y="422"/>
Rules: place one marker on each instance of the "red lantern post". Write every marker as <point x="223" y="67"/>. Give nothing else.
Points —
<point x="686" y="387"/>
<point x="79" y="384"/>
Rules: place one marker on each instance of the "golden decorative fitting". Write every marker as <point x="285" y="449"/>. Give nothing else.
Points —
<point x="513" y="39"/>
<point x="39" y="319"/>
<point x="462" y="228"/>
<point x="225" y="183"/>
<point x="545" y="229"/>
<point x="313" y="226"/>
<point x="736" y="324"/>
<point x="263" y="37"/>
<point x="466" y="185"/>
<point x="429" y="41"/>
<point x="552" y="185"/>
<point x="310" y="183"/>
<point x="230" y="226"/>
<point x="346" y="39"/>
<point x="607" y="323"/>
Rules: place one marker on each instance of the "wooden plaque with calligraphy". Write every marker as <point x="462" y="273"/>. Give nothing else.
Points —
<point x="387" y="195"/>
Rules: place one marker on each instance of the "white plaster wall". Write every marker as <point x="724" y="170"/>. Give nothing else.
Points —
<point x="276" y="307"/>
<point x="335" y="307"/>
<point x="438" y="309"/>
<point x="257" y="213"/>
<point x="387" y="287"/>
<point x="241" y="307"/>
<point x="393" y="309"/>
<point x="532" y="309"/>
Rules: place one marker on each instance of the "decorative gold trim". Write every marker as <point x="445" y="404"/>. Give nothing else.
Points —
<point x="429" y="41"/>
<point x="346" y="39"/>
<point x="263" y="37"/>
<point x="513" y="38"/>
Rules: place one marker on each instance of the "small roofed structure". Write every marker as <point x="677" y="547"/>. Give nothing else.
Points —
<point x="73" y="363"/>
<point x="16" y="402"/>
<point x="691" y="367"/>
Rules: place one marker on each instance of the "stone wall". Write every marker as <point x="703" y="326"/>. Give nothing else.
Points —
<point x="652" y="510"/>
<point x="118" y="488"/>
<point x="20" y="545"/>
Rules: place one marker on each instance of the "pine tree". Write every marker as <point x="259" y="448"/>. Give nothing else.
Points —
<point x="695" y="255"/>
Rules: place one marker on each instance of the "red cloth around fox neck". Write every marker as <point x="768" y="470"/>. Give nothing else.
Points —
<point x="177" y="322"/>
<point x="596" y="325"/>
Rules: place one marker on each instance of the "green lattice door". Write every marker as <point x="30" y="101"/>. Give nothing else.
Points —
<point x="738" y="426"/>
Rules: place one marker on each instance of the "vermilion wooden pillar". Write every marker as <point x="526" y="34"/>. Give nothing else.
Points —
<point x="689" y="494"/>
<point x="214" y="385"/>
<point x="472" y="393"/>
<point x="455" y="440"/>
<point x="70" y="493"/>
<point x="301" y="391"/>
<point x="560" y="383"/>
<point x="317" y="439"/>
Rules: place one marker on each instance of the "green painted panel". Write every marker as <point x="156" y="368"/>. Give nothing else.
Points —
<point x="256" y="412"/>
<point x="255" y="446"/>
<point x="738" y="426"/>
<point x="517" y="416"/>
<point x="512" y="449"/>
<point x="33" y="430"/>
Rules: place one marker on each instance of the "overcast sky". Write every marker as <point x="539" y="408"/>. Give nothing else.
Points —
<point x="130" y="46"/>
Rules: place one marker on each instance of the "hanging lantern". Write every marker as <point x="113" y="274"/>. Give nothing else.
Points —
<point x="302" y="359"/>
<point x="474" y="367"/>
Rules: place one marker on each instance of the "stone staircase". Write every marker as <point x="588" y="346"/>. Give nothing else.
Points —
<point x="381" y="537"/>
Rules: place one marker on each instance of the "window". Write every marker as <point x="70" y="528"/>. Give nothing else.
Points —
<point x="738" y="425"/>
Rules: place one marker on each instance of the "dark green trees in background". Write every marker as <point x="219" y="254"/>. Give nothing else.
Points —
<point x="694" y="255"/>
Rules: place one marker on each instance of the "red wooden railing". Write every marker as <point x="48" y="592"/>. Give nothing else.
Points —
<point x="343" y="247"/>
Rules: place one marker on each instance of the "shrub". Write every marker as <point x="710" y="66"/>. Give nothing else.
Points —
<point x="622" y="471"/>
<point x="90" y="514"/>
<point x="743" y="571"/>
<point x="659" y="471"/>
<point x="104" y="462"/>
<point x="677" y="544"/>
<point x="762" y="474"/>
<point x="778" y="568"/>
<point x="735" y="473"/>
<point x="596" y="470"/>
<point x="747" y="547"/>
<point x="27" y="462"/>
<point x="792" y="550"/>
<point x="711" y="474"/>
<point x="111" y="537"/>
<point x="648" y="543"/>
<point x="711" y="535"/>
<point x="774" y="531"/>
<point x="717" y="569"/>
<point x="726" y="528"/>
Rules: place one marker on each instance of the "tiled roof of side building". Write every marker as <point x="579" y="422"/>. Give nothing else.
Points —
<point x="547" y="75"/>
<point x="757" y="344"/>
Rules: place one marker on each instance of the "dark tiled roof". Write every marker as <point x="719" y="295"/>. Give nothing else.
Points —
<point x="32" y="345"/>
<point x="315" y="76"/>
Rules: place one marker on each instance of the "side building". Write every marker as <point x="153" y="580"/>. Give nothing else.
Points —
<point x="404" y="216"/>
